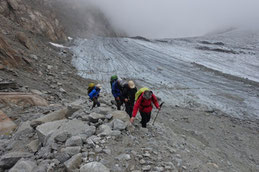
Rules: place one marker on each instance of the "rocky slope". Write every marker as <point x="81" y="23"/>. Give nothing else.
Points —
<point x="46" y="123"/>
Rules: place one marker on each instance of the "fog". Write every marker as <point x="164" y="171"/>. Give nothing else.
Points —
<point x="177" y="18"/>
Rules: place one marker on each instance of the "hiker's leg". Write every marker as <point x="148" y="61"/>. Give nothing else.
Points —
<point x="128" y="109"/>
<point x="118" y="104"/>
<point x="148" y="116"/>
<point x="143" y="119"/>
<point x="98" y="103"/>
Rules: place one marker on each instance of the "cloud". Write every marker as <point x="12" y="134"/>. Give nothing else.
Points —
<point x="177" y="18"/>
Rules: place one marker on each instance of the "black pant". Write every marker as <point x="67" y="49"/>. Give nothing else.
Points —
<point x="119" y="103"/>
<point x="95" y="102"/>
<point x="129" y="108"/>
<point x="145" y="118"/>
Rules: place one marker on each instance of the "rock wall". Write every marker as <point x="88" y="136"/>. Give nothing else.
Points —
<point x="30" y="19"/>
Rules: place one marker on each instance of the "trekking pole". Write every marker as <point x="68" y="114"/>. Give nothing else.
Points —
<point x="158" y="112"/>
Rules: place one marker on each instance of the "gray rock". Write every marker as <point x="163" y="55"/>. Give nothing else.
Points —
<point x="44" y="131"/>
<point x="104" y="130"/>
<point x="103" y="110"/>
<point x="123" y="157"/>
<point x="74" y="162"/>
<point x="89" y="131"/>
<point x="9" y="159"/>
<point x="34" y="145"/>
<point x="94" y="167"/>
<point x="44" y="152"/>
<point x="146" y="154"/>
<point x="122" y="115"/>
<point x="74" y="141"/>
<point x="142" y="161"/>
<point x="48" y="131"/>
<point x="146" y="168"/>
<point x="62" y="137"/>
<point x="62" y="157"/>
<point x="107" y="151"/>
<point x="62" y="90"/>
<point x="115" y="133"/>
<point x="108" y="116"/>
<point x="159" y="169"/>
<point x="96" y="139"/>
<point x="71" y="150"/>
<point x="56" y="115"/>
<point x="98" y="149"/>
<point x="23" y="165"/>
<point x="118" y="124"/>
<point x="24" y="128"/>
<point x="34" y="57"/>
<point x="90" y="142"/>
<point x="94" y="117"/>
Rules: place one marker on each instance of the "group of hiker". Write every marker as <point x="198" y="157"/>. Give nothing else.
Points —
<point x="126" y="93"/>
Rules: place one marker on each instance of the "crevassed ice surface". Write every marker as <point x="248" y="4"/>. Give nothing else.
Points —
<point x="169" y="67"/>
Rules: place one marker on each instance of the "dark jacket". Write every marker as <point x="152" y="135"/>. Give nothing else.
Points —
<point x="129" y="93"/>
<point x="116" y="89"/>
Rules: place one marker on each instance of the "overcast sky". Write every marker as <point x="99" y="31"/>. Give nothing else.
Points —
<point x="178" y="18"/>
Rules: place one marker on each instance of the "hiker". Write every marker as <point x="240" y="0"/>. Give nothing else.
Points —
<point x="128" y="94"/>
<point x="117" y="92"/>
<point x="94" y="94"/>
<point x="113" y="79"/>
<point x="144" y="105"/>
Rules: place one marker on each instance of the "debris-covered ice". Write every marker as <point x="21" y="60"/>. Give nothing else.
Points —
<point x="217" y="71"/>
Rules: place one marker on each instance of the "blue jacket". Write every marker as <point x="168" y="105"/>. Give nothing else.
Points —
<point x="116" y="89"/>
<point x="94" y="93"/>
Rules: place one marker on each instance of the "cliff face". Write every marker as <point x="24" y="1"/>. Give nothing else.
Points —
<point x="28" y="25"/>
<point x="31" y="19"/>
<point x="21" y="25"/>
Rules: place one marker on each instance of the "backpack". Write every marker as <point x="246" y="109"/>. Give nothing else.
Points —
<point x="113" y="78"/>
<point x="90" y="87"/>
<point x="139" y="92"/>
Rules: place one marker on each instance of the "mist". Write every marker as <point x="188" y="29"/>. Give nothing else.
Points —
<point x="177" y="18"/>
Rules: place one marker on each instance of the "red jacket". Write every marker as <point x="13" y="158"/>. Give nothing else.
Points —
<point x="144" y="105"/>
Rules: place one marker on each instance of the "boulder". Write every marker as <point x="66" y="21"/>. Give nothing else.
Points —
<point x="94" y="167"/>
<point x="62" y="137"/>
<point x="48" y="131"/>
<point x="9" y="159"/>
<point x="89" y="131"/>
<point x="74" y="141"/>
<point x="73" y="163"/>
<point x="56" y="115"/>
<point x="104" y="130"/>
<point x="108" y="116"/>
<point x="94" y="117"/>
<point x="123" y="157"/>
<point x="122" y="115"/>
<point x="34" y="145"/>
<point x="24" y="165"/>
<point x="62" y="157"/>
<point x="118" y="124"/>
<point x="103" y="110"/>
<point x="6" y="124"/>
<point x="71" y="150"/>
<point x="22" y="99"/>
